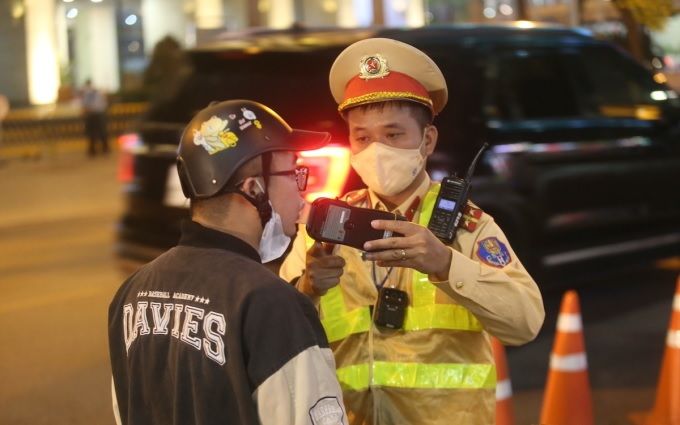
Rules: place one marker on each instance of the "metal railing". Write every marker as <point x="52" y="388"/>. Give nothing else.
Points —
<point x="28" y="131"/>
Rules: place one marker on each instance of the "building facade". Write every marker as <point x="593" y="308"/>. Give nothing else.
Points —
<point x="50" y="47"/>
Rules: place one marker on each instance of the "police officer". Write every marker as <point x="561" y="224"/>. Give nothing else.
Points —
<point x="437" y="366"/>
<point x="205" y="334"/>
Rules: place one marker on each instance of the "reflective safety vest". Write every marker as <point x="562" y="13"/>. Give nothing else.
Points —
<point x="422" y="314"/>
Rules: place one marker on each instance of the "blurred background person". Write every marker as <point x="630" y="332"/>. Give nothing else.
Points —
<point x="94" y="105"/>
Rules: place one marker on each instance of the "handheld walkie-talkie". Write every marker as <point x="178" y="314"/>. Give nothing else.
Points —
<point x="451" y="200"/>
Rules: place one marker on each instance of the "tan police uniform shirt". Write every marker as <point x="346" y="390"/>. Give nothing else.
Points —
<point x="498" y="291"/>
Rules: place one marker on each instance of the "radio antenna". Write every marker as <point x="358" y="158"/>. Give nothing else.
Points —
<point x="471" y="170"/>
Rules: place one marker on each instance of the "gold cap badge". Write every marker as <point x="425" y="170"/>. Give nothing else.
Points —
<point x="373" y="66"/>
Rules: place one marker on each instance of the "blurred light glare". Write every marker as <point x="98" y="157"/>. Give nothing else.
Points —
<point x="668" y="61"/>
<point x="131" y="19"/>
<point x="489" y="13"/>
<point x="72" y="13"/>
<point x="330" y="6"/>
<point x="399" y="5"/>
<point x="658" y="95"/>
<point x="506" y="9"/>
<point x="43" y="70"/>
<point x="263" y="6"/>
<point x="525" y="24"/>
<point x="68" y="1"/>
<point x="660" y="78"/>
<point x="96" y="1"/>
<point x="18" y="10"/>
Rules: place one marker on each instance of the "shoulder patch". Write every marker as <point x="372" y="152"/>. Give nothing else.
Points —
<point x="471" y="216"/>
<point x="326" y="411"/>
<point x="493" y="252"/>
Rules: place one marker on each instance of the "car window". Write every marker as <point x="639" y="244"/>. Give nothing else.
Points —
<point x="569" y="82"/>
<point x="530" y="84"/>
<point x="614" y="85"/>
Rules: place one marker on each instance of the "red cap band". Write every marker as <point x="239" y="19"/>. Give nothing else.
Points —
<point x="393" y="86"/>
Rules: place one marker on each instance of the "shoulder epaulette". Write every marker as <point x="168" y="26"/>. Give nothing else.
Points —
<point x="356" y="196"/>
<point x="471" y="215"/>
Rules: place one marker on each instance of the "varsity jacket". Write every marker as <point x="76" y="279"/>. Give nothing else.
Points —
<point x="205" y="335"/>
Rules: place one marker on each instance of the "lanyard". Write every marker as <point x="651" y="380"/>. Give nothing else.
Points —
<point x="410" y="212"/>
<point x="375" y="278"/>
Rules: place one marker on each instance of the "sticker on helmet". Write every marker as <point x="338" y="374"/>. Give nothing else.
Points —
<point x="214" y="135"/>
<point x="249" y="118"/>
<point x="248" y="114"/>
<point x="326" y="411"/>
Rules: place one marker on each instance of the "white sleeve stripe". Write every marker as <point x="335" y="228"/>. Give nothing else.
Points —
<point x="114" y="400"/>
<point x="305" y="390"/>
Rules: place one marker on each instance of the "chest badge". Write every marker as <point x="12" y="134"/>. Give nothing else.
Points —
<point x="493" y="252"/>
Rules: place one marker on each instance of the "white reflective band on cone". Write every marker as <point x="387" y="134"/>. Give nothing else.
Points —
<point x="673" y="339"/>
<point x="676" y="303"/>
<point x="503" y="390"/>
<point x="569" y="363"/>
<point x="569" y="322"/>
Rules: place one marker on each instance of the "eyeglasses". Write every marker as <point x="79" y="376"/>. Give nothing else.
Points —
<point x="300" y="172"/>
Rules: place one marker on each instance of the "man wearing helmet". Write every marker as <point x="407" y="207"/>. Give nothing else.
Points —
<point x="434" y="365"/>
<point x="205" y="334"/>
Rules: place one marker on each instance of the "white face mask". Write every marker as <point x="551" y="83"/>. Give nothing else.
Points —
<point x="274" y="241"/>
<point x="388" y="170"/>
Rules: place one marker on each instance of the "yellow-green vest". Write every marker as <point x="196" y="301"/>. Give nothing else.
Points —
<point x="422" y="314"/>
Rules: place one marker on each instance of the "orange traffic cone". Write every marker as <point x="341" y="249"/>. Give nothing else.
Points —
<point x="567" y="399"/>
<point x="667" y="406"/>
<point x="505" y="415"/>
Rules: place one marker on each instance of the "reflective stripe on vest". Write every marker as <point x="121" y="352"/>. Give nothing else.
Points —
<point x="418" y="375"/>
<point x="423" y="313"/>
<point x="338" y="323"/>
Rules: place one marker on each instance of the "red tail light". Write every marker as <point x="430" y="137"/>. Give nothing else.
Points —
<point x="127" y="143"/>
<point x="328" y="171"/>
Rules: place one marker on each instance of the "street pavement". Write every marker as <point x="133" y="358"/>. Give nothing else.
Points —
<point x="58" y="274"/>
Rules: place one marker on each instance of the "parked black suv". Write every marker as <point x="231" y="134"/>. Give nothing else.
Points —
<point x="584" y="162"/>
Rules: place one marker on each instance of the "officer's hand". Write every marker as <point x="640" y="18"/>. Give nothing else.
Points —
<point x="322" y="270"/>
<point x="418" y="249"/>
